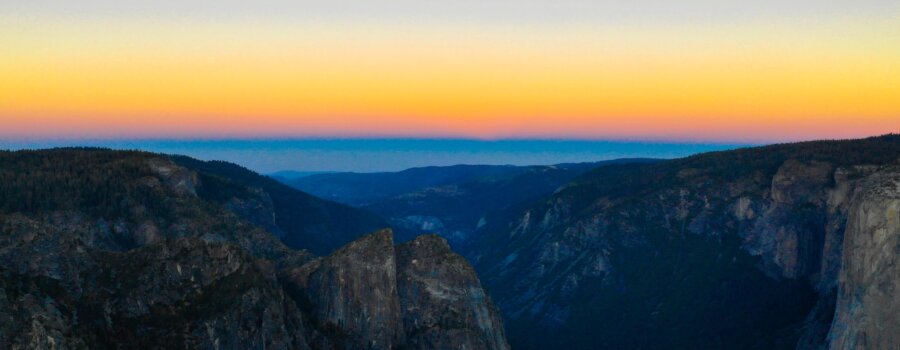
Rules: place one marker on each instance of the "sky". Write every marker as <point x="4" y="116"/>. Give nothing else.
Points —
<point x="651" y="70"/>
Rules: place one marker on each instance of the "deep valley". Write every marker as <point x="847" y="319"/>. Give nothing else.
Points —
<point x="789" y="246"/>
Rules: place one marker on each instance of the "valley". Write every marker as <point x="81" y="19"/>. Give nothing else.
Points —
<point x="788" y="246"/>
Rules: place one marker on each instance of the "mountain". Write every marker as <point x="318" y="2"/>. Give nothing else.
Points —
<point x="291" y="174"/>
<point x="359" y="189"/>
<point x="112" y="249"/>
<point x="777" y="247"/>
<point x="450" y="201"/>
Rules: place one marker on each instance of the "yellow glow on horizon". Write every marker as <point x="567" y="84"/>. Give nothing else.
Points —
<point x="762" y="79"/>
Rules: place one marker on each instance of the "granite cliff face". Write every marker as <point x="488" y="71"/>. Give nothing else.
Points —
<point x="372" y="295"/>
<point x="868" y="300"/>
<point x="103" y="249"/>
<point x="351" y="295"/>
<point x="443" y="304"/>
<point x="784" y="246"/>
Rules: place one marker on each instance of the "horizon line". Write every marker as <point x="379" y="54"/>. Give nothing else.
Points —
<point x="325" y="138"/>
<point x="382" y="138"/>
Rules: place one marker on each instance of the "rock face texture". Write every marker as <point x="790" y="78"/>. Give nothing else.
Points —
<point x="351" y="295"/>
<point x="443" y="304"/>
<point x="58" y="292"/>
<point x="373" y="295"/>
<point x="186" y="293"/>
<point x="103" y="249"/>
<point x="800" y="240"/>
<point x="868" y="303"/>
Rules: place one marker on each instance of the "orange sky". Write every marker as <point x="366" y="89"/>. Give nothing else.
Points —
<point x="751" y="79"/>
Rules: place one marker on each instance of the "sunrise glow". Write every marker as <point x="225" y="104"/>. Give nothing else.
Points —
<point x="756" y="78"/>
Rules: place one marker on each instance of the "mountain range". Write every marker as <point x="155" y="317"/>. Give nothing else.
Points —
<point x="787" y="246"/>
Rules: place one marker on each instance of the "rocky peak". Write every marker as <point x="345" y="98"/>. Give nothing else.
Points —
<point x="443" y="304"/>
<point x="370" y="294"/>
<point x="351" y="295"/>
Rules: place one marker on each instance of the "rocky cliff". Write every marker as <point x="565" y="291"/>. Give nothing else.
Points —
<point x="868" y="302"/>
<point x="784" y="246"/>
<point x="419" y="295"/>
<point x="443" y="304"/>
<point x="103" y="249"/>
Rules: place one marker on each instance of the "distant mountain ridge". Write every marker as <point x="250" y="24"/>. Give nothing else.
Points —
<point x="356" y="188"/>
<point x="448" y="200"/>
<point x="290" y="174"/>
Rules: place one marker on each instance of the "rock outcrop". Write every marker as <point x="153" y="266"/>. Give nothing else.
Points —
<point x="373" y="295"/>
<point x="442" y="301"/>
<point x="351" y="295"/>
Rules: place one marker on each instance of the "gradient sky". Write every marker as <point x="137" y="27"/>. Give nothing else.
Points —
<point x="694" y="70"/>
